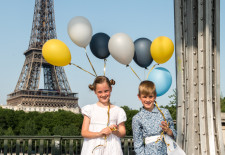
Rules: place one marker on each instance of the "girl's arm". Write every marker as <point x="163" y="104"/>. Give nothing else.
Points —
<point x="85" y="129"/>
<point x="121" y="130"/>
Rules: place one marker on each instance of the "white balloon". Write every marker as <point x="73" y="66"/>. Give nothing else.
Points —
<point x="80" y="31"/>
<point x="121" y="47"/>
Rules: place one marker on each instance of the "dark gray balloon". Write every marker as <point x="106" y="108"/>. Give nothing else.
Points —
<point x="142" y="54"/>
<point x="99" y="45"/>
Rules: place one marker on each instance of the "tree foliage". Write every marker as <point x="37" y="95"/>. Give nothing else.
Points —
<point x="49" y="123"/>
<point x="44" y="132"/>
<point x="173" y="98"/>
<point x="29" y="128"/>
<point x="34" y="123"/>
<point x="130" y="114"/>
<point x="222" y="104"/>
<point x="9" y="132"/>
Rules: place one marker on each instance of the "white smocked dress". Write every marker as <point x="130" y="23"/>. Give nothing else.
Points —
<point x="98" y="120"/>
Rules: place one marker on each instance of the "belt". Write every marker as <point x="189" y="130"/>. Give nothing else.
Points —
<point x="151" y="139"/>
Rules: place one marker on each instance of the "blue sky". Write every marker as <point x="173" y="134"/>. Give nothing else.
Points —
<point x="147" y="18"/>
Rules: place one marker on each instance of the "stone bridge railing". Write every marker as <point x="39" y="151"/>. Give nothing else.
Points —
<point x="50" y="145"/>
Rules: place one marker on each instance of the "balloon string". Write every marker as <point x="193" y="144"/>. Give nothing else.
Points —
<point x="90" y="62"/>
<point x="105" y="137"/>
<point x="134" y="72"/>
<point x="162" y="136"/>
<point x="104" y="65"/>
<point x="82" y="69"/>
<point x="145" y="72"/>
<point x="151" y="70"/>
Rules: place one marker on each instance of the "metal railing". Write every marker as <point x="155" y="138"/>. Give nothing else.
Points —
<point x="42" y="93"/>
<point x="50" y="145"/>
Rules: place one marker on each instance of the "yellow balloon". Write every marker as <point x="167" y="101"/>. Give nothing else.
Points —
<point x="162" y="49"/>
<point x="56" y="52"/>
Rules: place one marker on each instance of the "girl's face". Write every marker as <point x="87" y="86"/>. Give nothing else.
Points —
<point x="103" y="92"/>
<point x="147" y="101"/>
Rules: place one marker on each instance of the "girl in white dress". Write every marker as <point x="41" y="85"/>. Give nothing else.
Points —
<point x="104" y="123"/>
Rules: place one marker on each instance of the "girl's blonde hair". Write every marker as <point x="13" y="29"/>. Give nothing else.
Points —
<point x="147" y="88"/>
<point x="100" y="80"/>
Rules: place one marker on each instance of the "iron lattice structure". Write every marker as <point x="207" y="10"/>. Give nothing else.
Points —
<point x="197" y="32"/>
<point x="56" y="92"/>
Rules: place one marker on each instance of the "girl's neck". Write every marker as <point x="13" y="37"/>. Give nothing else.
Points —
<point x="103" y="104"/>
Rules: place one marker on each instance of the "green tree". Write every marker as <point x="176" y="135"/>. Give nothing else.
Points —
<point x="9" y="132"/>
<point x="29" y="129"/>
<point x="45" y="120"/>
<point x="172" y="109"/>
<point x="58" y="130"/>
<point x="4" y="118"/>
<point x="1" y="131"/>
<point x="21" y="119"/>
<point x="44" y="132"/>
<point x="173" y="98"/>
<point x="222" y="103"/>
<point x="130" y="114"/>
<point x="172" y="105"/>
<point x="72" y="130"/>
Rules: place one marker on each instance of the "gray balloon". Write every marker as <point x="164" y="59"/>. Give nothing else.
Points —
<point x="142" y="54"/>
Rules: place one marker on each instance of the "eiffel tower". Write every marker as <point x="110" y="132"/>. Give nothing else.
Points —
<point x="56" y="92"/>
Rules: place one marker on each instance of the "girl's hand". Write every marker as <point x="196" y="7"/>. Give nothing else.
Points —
<point x="113" y="127"/>
<point x="165" y="128"/>
<point x="106" y="131"/>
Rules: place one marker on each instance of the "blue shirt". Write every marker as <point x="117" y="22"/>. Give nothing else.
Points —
<point x="146" y="124"/>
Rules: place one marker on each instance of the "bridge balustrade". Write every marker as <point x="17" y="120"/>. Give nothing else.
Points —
<point x="51" y="145"/>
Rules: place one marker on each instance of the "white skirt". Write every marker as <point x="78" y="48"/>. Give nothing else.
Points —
<point x="110" y="147"/>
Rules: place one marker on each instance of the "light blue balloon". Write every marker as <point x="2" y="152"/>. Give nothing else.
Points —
<point x="162" y="80"/>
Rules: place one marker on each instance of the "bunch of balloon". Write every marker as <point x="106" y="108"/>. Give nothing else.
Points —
<point x="99" y="47"/>
<point x="121" y="47"/>
<point x="56" y="52"/>
<point x="80" y="32"/>
<point x="162" y="49"/>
